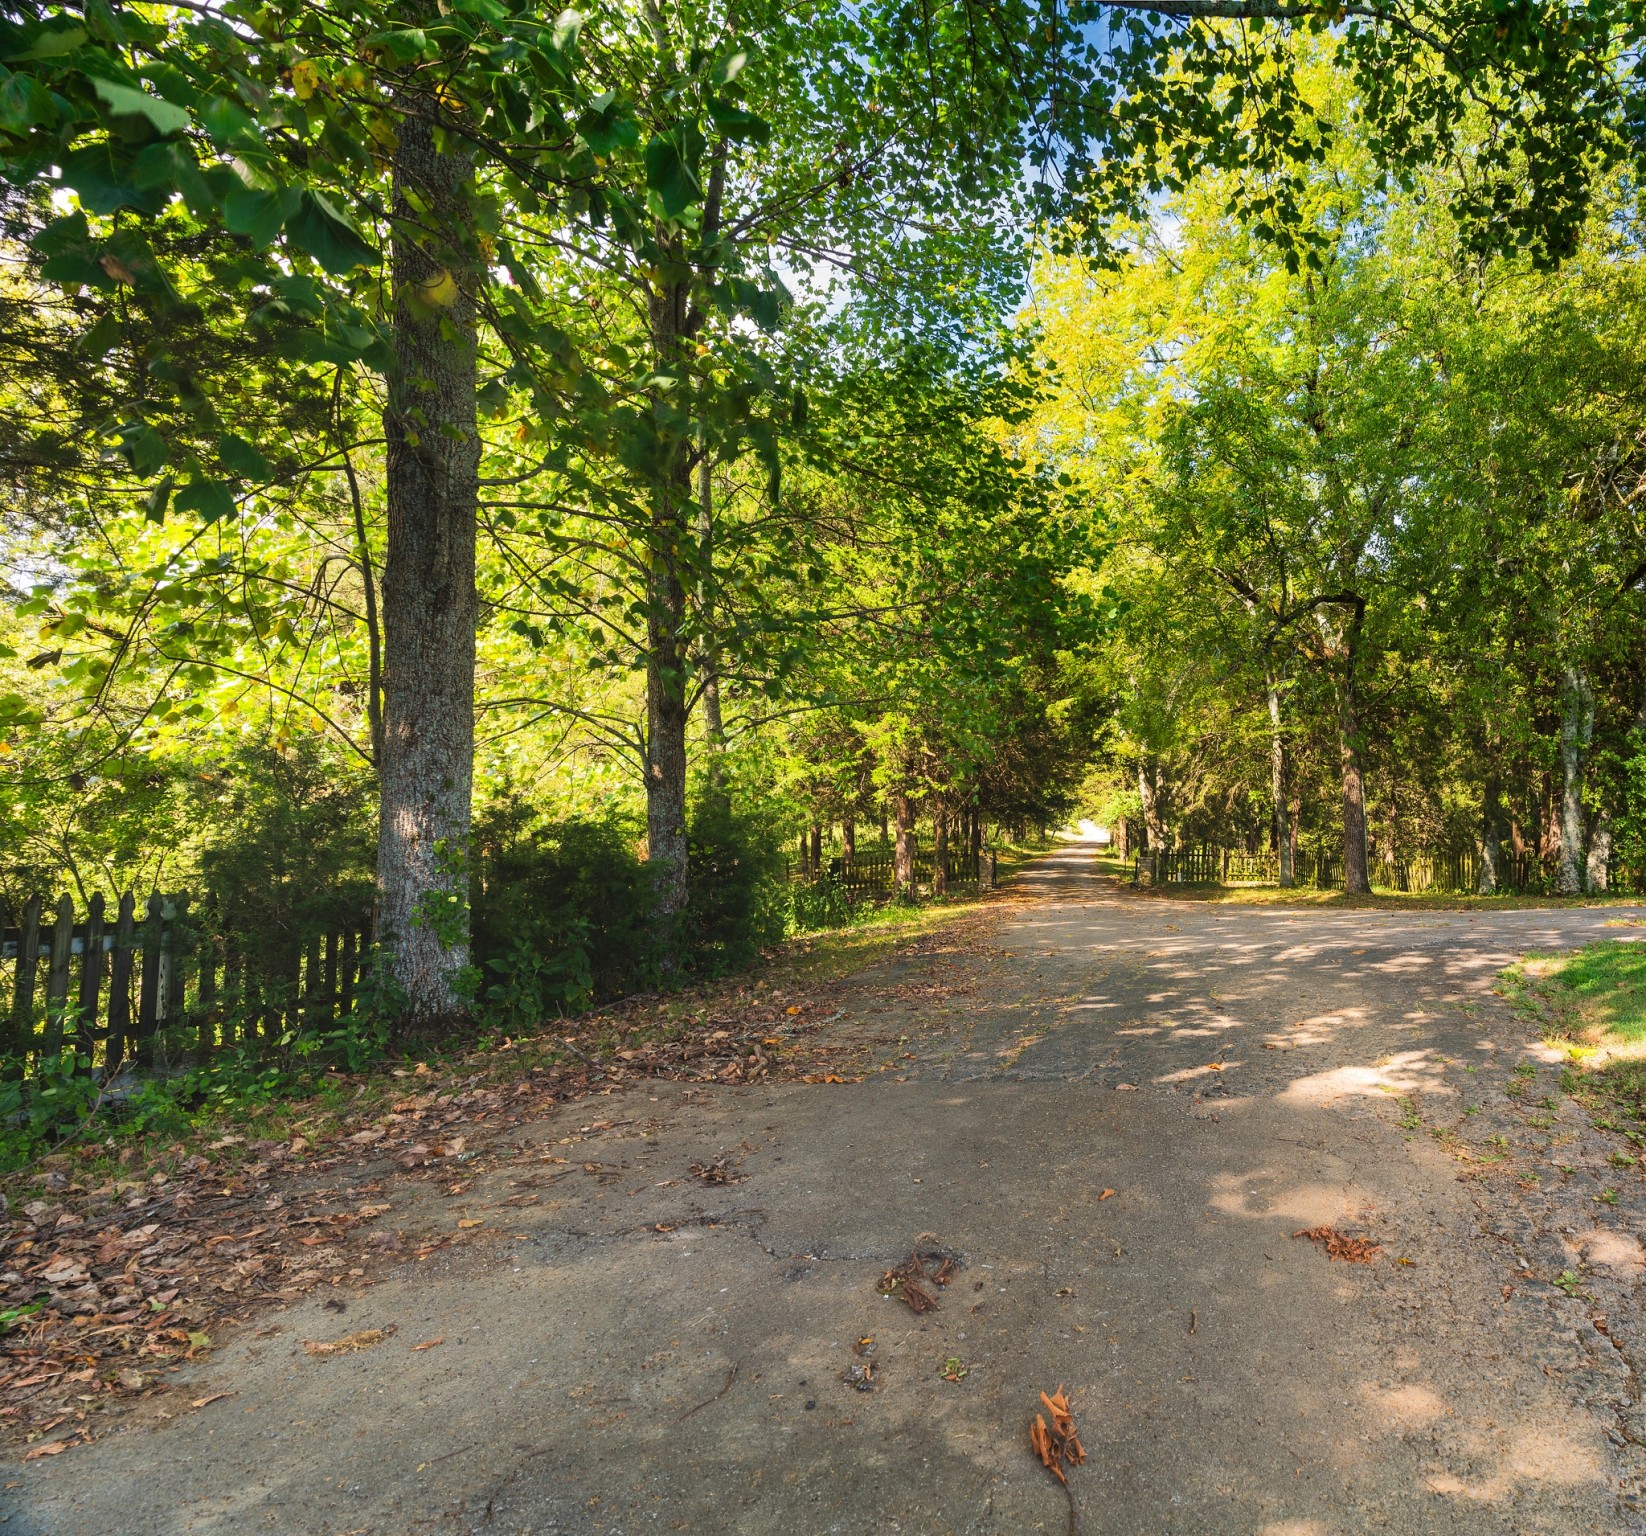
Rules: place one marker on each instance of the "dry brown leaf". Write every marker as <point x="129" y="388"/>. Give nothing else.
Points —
<point x="426" y="1344"/>
<point x="472" y="1221"/>
<point x="350" y="1342"/>
<point x="51" y="1448"/>
<point x="204" y="1402"/>
<point x="1105" y="1195"/>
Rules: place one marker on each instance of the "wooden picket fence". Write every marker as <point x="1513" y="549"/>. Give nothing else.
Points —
<point x="1454" y="873"/>
<point x="173" y="985"/>
<point x="875" y="875"/>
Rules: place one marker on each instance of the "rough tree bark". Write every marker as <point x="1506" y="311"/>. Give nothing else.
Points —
<point x="1598" y="865"/>
<point x="903" y="857"/>
<point x="1356" y="873"/>
<point x="1119" y="837"/>
<point x="428" y="590"/>
<point x="1148" y="789"/>
<point x="1341" y="640"/>
<point x="666" y="647"/>
<point x="1491" y="835"/>
<point x="1577" y="722"/>
<point x="848" y="843"/>
<point x="714" y="726"/>
<point x="1277" y="788"/>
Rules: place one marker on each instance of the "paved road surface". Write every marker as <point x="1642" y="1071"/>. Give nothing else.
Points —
<point x="659" y="1355"/>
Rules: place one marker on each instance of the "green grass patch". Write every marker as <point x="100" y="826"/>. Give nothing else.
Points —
<point x="1604" y="984"/>
<point x="1592" y="1002"/>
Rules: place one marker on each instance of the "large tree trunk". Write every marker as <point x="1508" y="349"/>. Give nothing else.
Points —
<point x="1598" y="865"/>
<point x="714" y="726"/>
<point x="1277" y="789"/>
<point x="1118" y="837"/>
<point x="1341" y="640"/>
<point x="848" y="844"/>
<point x="1491" y="836"/>
<point x="666" y="647"/>
<point x="1148" y="789"/>
<point x="428" y="590"/>
<point x="1356" y="873"/>
<point x="903" y="857"/>
<point x="1577" y="723"/>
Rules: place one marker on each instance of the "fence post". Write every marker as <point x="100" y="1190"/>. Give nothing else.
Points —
<point x="205" y="991"/>
<point x="348" y="970"/>
<point x="91" y="978"/>
<point x="148" y="993"/>
<point x="125" y="926"/>
<point x="174" y="940"/>
<point x="312" y="995"/>
<point x="57" y="978"/>
<point x="28" y="960"/>
<point x="328" y="1008"/>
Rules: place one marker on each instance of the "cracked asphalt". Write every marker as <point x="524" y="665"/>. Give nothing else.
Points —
<point x="632" y="1349"/>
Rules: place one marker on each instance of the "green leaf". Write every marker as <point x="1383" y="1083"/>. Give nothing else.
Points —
<point x="211" y="499"/>
<point x="240" y="458"/>
<point x="228" y="122"/>
<point x="671" y="168"/>
<point x="123" y="101"/>
<point x="104" y="182"/>
<point x="68" y="254"/>
<point x="154" y="504"/>
<point x="25" y="104"/>
<point x="52" y="44"/>
<point x="738" y="124"/>
<point x="403" y="43"/>
<point x="606" y="128"/>
<point x="567" y="25"/>
<point x="320" y="230"/>
<point x="258" y="215"/>
<point x="100" y="338"/>
<point x="145" y="449"/>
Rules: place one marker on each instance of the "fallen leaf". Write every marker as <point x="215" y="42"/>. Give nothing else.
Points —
<point x="203" y="1402"/>
<point x="1125" y="1087"/>
<point x="350" y="1342"/>
<point x="1105" y="1195"/>
<point x="472" y="1221"/>
<point x="52" y="1448"/>
<point x="426" y="1344"/>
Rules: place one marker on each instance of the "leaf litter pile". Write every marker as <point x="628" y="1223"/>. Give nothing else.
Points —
<point x="1058" y="1444"/>
<point x="1340" y="1245"/>
<point x="113" y="1278"/>
<point x="908" y="1281"/>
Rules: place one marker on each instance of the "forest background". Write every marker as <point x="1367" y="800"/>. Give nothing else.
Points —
<point x="519" y="482"/>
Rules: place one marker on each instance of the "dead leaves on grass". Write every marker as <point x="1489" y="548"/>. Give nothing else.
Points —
<point x="1340" y="1245"/>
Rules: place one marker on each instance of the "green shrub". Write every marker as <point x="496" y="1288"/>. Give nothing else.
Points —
<point x="738" y="901"/>
<point x="560" y="914"/>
